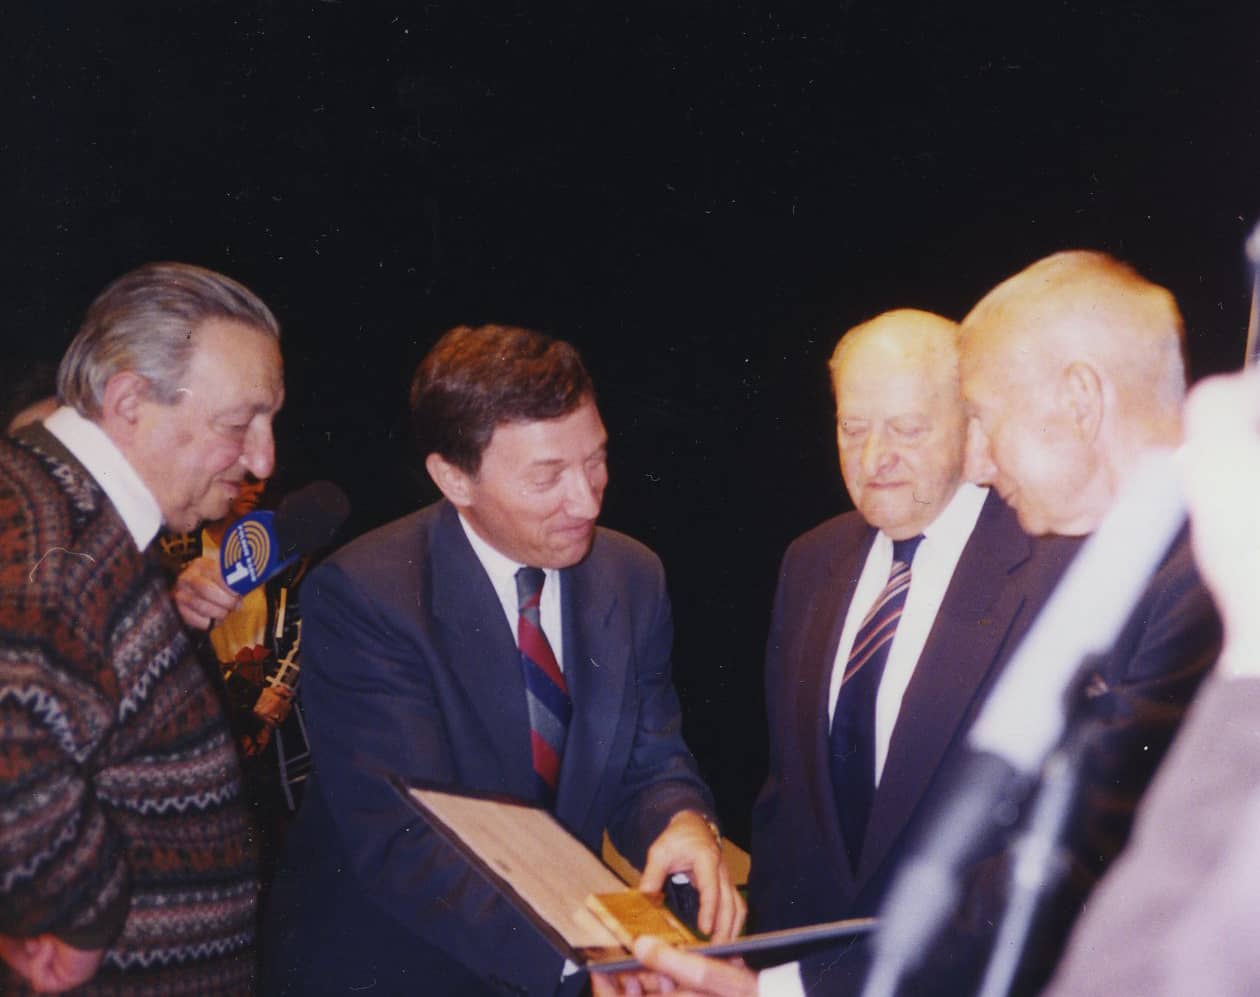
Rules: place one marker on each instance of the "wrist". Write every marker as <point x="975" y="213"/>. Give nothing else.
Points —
<point x="714" y="830"/>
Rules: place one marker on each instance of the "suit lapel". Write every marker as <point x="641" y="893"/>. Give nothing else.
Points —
<point x="482" y="652"/>
<point x="971" y="631"/>
<point x="824" y="626"/>
<point x="596" y="656"/>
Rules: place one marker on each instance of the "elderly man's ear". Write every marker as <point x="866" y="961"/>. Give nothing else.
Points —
<point x="1081" y="391"/>
<point x="120" y="404"/>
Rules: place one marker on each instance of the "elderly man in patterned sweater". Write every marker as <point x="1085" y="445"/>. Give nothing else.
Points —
<point x="125" y="865"/>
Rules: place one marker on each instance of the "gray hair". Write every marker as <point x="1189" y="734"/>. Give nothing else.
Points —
<point x="144" y="322"/>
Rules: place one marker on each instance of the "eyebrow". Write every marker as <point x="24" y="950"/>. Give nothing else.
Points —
<point x="548" y="462"/>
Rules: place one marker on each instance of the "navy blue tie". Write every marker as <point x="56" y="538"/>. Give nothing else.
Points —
<point x="853" y="724"/>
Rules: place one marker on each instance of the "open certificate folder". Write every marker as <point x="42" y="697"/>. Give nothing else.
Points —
<point x="575" y="901"/>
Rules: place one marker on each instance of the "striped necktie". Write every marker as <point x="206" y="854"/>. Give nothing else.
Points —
<point x="853" y="725"/>
<point x="549" y="705"/>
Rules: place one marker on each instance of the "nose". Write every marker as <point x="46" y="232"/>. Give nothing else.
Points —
<point x="877" y="455"/>
<point x="979" y="466"/>
<point x="259" y="452"/>
<point x="582" y="497"/>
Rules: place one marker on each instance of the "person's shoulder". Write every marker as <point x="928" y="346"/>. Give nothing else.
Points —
<point x="395" y="544"/>
<point x="1179" y="564"/>
<point x="612" y="547"/>
<point x="1177" y="587"/>
<point x="46" y="500"/>
<point x="835" y="535"/>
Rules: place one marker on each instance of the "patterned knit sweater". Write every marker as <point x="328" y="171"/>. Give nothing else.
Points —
<point x="121" y="823"/>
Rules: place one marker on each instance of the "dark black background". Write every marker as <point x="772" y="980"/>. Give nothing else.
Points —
<point x="701" y="196"/>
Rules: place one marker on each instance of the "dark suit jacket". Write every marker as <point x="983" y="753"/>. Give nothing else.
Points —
<point x="1133" y="700"/>
<point x="800" y="869"/>
<point x="412" y="669"/>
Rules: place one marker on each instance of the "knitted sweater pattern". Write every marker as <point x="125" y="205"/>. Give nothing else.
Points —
<point x="121" y="823"/>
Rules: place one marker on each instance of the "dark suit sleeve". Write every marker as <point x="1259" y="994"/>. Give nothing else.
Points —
<point x="661" y="777"/>
<point x="372" y="713"/>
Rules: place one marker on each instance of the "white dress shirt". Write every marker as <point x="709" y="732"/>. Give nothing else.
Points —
<point x="109" y="468"/>
<point x="502" y="571"/>
<point x="930" y="575"/>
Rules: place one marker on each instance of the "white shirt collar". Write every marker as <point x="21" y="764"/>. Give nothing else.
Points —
<point x="502" y="571"/>
<point x="947" y="534"/>
<point x="497" y="564"/>
<point x="102" y="459"/>
<point x="501" y="568"/>
<point x="958" y="518"/>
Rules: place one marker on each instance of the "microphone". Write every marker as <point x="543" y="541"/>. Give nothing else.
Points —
<point x="260" y="545"/>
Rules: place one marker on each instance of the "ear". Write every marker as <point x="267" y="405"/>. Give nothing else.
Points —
<point x="452" y="482"/>
<point x="978" y="465"/>
<point x="120" y="405"/>
<point x="1082" y="394"/>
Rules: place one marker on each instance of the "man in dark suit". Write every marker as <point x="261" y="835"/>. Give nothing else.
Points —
<point x="1071" y="371"/>
<point x="413" y="670"/>
<point x="976" y="581"/>
<point x="975" y="585"/>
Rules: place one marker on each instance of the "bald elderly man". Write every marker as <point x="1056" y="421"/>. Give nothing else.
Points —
<point x="853" y="759"/>
<point x="1072" y="371"/>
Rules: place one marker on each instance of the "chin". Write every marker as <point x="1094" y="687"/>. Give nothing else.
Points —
<point x="1032" y="525"/>
<point x="571" y="555"/>
<point x="217" y="511"/>
<point x="890" y="521"/>
<point x="185" y="523"/>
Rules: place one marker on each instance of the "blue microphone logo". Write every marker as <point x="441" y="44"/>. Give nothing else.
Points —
<point x="249" y="552"/>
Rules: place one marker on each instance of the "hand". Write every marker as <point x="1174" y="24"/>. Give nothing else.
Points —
<point x="48" y="964"/>
<point x="683" y="974"/>
<point x="631" y="984"/>
<point x="200" y="595"/>
<point x="273" y="705"/>
<point x="254" y="745"/>
<point x="1222" y="479"/>
<point x="688" y="845"/>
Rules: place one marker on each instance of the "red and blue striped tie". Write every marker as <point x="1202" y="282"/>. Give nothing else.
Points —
<point x="853" y="725"/>
<point x="546" y="694"/>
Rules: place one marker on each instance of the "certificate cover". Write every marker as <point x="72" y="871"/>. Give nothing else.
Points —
<point x="552" y="878"/>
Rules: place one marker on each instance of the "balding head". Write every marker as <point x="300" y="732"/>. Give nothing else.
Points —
<point x="1072" y="369"/>
<point x="910" y="337"/>
<point x="899" y="418"/>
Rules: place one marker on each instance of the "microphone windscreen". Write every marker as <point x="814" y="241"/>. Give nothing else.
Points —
<point x="310" y="517"/>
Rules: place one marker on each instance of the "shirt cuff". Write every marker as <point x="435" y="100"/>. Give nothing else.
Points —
<point x="781" y="981"/>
